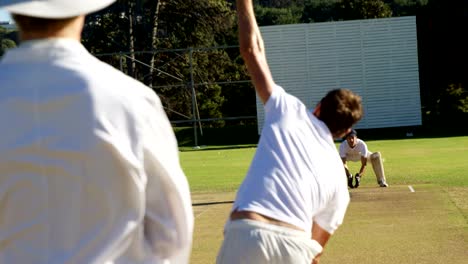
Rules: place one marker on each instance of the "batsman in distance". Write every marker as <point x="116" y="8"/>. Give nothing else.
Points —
<point x="355" y="149"/>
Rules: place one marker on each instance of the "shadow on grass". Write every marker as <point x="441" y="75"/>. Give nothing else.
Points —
<point x="246" y="136"/>
<point x="214" y="147"/>
<point x="229" y="135"/>
<point x="212" y="203"/>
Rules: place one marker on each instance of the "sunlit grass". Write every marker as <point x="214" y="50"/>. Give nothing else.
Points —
<point x="439" y="161"/>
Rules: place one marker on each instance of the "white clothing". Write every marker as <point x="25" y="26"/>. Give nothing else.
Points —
<point x="296" y="175"/>
<point x="249" y="241"/>
<point x="354" y="154"/>
<point x="89" y="163"/>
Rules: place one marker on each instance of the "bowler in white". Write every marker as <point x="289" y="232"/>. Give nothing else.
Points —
<point x="294" y="195"/>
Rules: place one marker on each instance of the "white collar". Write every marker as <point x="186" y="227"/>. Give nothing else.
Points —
<point x="44" y="49"/>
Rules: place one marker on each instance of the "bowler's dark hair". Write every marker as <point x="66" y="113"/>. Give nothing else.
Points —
<point x="340" y="109"/>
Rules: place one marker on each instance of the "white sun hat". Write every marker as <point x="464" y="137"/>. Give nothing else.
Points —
<point x="53" y="9"/>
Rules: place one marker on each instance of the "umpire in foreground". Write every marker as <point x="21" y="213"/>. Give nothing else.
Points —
<point x="294" y="195"/>
<point x="89" y="166"/>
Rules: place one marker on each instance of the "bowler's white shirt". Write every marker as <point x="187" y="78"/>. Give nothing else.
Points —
<point x="89" y="167"/>
<point x="296" y="175"/>
<point x="354" y="154"/>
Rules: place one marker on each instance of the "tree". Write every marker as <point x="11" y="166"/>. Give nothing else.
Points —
<point x="277" y="16"/>
<point x="336" y="10"/>
<point x="455" y="99"/>
<point x="373" y="9"/>
<point x="196" y="24"/>
<point x="443" y="54"/>
<point x="6" y="44"/>
<point x="407" y="7"/>
<point x="7" y="40"/>
<point x="130" y="14"/>
<point x="154" y="38"/>
<point x="163" y="44"/>
<point x="320" y="11"/>
<point x="279" y="3"/>
<point x="363" y="9"/>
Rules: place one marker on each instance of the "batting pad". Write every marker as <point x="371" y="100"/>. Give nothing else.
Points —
<point x="377" y="166"/>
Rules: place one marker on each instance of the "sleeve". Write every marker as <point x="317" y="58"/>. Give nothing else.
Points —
<point x="169" y="217"/>
<point x="275" y="102"/>
<point x="332" y="216"/>
<point x="280" y="103"/>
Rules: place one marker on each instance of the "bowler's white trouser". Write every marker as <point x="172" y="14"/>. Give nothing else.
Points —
<point x="253" y="242"/>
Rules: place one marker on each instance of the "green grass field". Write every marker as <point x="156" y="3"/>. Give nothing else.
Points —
<point x="382" y="225"/>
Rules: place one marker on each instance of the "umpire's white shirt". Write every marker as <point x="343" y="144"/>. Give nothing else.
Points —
<point x="354" y="154"/>
<point x="296" y="175"/>
<point x="89" y="167"/>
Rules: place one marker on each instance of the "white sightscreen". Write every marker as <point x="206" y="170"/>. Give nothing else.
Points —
<point x="376" y="58"/>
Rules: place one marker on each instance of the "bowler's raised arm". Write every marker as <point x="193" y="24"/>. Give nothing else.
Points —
<point x="253" y="51"/>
